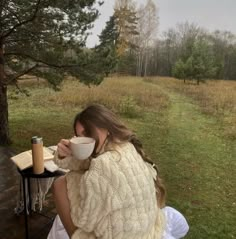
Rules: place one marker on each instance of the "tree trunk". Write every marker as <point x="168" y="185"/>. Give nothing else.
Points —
<point x="146" y="62"/>
<point x="138" y="64"/>
<point x="4" y="130"/>
<point x="141" y="64"/>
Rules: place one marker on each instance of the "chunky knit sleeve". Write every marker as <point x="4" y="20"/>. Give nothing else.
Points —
<point x="71" y="163"/>
<point x="95" y="199"/>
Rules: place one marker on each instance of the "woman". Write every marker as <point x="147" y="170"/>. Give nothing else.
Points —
<point x="117" y="192"/>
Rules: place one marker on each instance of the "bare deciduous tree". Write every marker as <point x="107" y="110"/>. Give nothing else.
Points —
<point x="147" y="28"/>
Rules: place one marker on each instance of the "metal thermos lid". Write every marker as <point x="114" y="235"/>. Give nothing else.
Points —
<point x="36" y="140"/>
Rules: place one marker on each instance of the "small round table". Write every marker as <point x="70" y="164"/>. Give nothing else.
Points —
<point x="26" y="175"/>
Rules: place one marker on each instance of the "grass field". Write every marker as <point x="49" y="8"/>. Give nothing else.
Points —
<point x="188" y="130"/>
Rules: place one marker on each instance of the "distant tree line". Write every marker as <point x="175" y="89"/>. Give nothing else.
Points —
<point x="130" y="45"/>
<point x="189" y="51"/>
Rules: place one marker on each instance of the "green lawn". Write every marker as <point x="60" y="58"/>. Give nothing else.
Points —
<point x="198" y="166"/>
<point x="197" y="163"/>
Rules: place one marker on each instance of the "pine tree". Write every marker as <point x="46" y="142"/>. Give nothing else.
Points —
<point x="201" y="61"/>
<point x="34" y="36"/>
<point x="106" y="50"/>
<point x="199" y="65"/>
<point x="126" y="21"/>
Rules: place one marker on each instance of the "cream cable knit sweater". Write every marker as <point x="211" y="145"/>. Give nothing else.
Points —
<point x="115" y="198"/>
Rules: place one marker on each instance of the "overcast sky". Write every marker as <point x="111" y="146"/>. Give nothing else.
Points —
<point x="210" y="14"/>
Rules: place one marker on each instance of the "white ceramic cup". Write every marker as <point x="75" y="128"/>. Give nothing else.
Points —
<point x="82" y="147"/>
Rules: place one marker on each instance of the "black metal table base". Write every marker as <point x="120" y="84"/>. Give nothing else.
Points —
<point x="26" y="175"/>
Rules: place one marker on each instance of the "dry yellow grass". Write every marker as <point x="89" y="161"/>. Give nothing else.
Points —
<point x="120" y="94"/>
<point x="215" y="97"/>
<point x="133" y="95"/>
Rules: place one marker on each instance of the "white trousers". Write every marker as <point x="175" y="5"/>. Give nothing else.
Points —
<point x="176" y="226"/>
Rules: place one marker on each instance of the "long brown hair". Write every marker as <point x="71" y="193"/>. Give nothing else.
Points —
<point x="99" y="116"/>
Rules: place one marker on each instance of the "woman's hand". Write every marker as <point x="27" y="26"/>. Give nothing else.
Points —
<point x="63" y="149"/>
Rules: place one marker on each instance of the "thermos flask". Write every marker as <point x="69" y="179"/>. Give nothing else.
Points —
<point x="37" y="154"/>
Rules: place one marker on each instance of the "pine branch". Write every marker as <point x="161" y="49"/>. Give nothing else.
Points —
<point x="40" y="61"/>
<point x="23" y="22"/>
<point x="13" y="79"/>
<point x="14" y="14"/>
